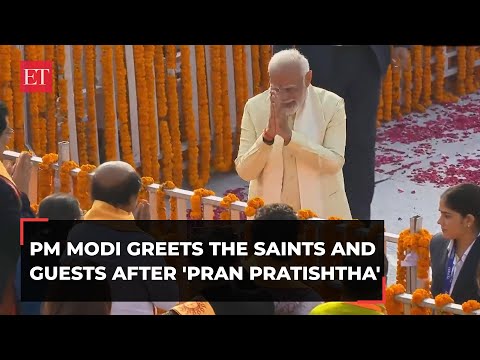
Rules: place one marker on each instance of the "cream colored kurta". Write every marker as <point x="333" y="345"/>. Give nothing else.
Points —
<point x="290" y="191"/>
<point x="306" y="173"/>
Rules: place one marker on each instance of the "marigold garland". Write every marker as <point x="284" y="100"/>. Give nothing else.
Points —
<point x="253" y="205"/>
<point x="31" y="54"/>
<point x="226" y="204"/>
<point x="396" y="91"/>
<point x="161" y="208"/>
<point x="305" y="214"/>
<point x="380" y="108"/>
<point x="470" y="306"/>
<point x="143" y="118"/>
<point x="169" y="185"/>
<point x="45" y="176"/>
<point x="149" y="53"/>
<point x="334" y="218"/>
<point x="83" y="186"/>
<point x="461" y="70"/>
<point x="143" y="193"/>
<point x="265" y="56"/>
<point x="256" y="73"/>
<point x="417" y="242"/>
<point x="417" y="56"/>
<point x="18" y="100"/>
<point x="427" y="77"/>
<point x="439" y="82"/>
<point x="79" y="105"/>
<point x="110" y="117"/>
<point x="418" y="297"/>
<point x="470" y="76"/>
<point x="65" y="176"/>
<point x="62" y="91"/>
<point x="5" y="76"/>
<point x="241" y="88"/>
<point x="162" y="111"/>
<point x="122" y="105"/>
<point x="393" y="306"/>
<point x="42" y="109"/>
<point x="6" y="93"/>
<point x="51" y="122"/>
<point x="167" y="151"/>
<point x="196" y="202"/>
<point x="442" y="300"/>
<point x="159" y="65"/>
<point x="204" y="116"/>
<point x="189" y="117"/>
<point x="407" y="87"/>
<point x="90" y="66"/>
<point x="173" y="115"/>
<point x="387" y="95"/>
<point x="227" y="150"/>
<point x="217" y="100"/>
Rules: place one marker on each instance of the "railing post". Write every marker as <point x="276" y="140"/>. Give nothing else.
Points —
<point x="63" y="155"/>
<point x="152" y="199"/>
<point x="33" y="184"/>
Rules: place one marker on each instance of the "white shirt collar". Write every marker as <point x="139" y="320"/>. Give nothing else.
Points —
<point x="465" y="254"/>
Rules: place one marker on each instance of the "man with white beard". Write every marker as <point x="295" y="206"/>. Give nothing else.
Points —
<point x="292" y="141"/>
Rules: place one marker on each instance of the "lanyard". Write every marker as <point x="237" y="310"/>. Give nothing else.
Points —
<point x="449" y="272"/>
<point x="450" y="268"/>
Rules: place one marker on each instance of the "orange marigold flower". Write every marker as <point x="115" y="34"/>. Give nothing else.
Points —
<point x="442" y="300"/>
<point x="470" y="306"/>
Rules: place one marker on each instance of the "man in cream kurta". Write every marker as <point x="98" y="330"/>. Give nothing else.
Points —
<point x="292" y="141"/>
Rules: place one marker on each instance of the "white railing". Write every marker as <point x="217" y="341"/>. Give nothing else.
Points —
<point x="182" y="196"/>
<point x="210" y="203"/>
<point x="456" y="309"/>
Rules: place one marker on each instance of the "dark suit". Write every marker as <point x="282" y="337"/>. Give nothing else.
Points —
<point x="10" y="213"/>
<point x="355" y="73"/>
<point x="466" y="287"/>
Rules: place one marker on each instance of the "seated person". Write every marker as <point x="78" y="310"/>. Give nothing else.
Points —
<point x="58" y="206"/>
<point x="455" y="252"/>
<point x="291" y="297"/>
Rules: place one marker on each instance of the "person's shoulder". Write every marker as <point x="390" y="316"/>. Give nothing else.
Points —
<point x="327" y="96"/>
<point x="9" y="193"/>
<point x="259" y="100"/>
<point x="438" y="240"/>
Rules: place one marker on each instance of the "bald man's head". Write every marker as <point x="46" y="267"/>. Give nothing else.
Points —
<point x="116" y="183"/>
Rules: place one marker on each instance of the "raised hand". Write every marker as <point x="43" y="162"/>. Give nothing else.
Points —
<point x="142" y="211"/>
<point x="281" y="120"/>
<point x="22" y="171"/>
<point x="271" y="130"/>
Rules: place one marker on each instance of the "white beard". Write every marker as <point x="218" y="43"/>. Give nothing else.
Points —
<point x="292" y="110"/>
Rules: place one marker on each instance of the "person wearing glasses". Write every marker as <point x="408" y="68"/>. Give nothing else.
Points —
<point x="292" y="141"/>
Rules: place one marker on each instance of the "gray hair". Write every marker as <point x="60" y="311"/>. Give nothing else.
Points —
<point x="287" y="57"/>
